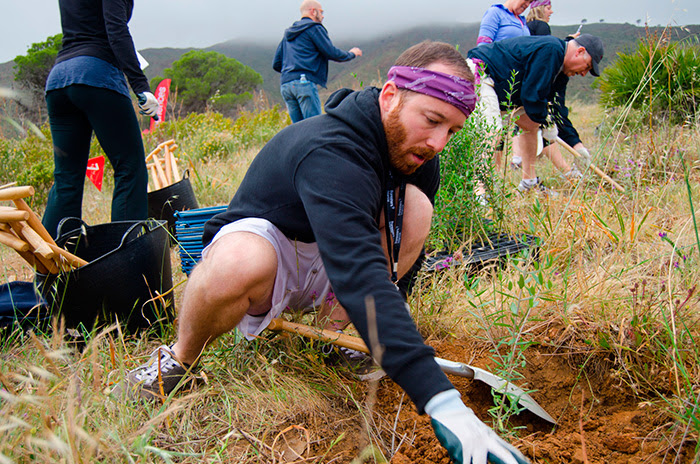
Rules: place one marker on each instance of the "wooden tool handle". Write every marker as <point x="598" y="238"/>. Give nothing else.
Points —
<point x="168" y="158"/>
<point x="43" y="257"/>
<point x="14" y="242"/>
<point x="16" y="215"/>
<point x="40" y="246"/>
<point x="336" y="338"/>
<point x="153" y="153"/>
<point x="154" y="177"/>
<point x="34" y="221"/>
<point x="73" y="260"/>
<point x="15" y="193"/>
<point x="593" y="166"/>
<point x="162" y="180"/>
<point x="176" y="171"/>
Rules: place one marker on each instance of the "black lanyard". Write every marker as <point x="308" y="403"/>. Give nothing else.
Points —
<point x="393" y="222"/>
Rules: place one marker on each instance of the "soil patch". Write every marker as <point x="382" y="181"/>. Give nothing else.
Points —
<point x="598" y="420"/>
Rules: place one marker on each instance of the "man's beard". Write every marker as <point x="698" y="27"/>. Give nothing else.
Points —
<point x="395" y="138"/>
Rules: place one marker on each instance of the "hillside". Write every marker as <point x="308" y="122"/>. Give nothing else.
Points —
<point x="379" y="54"/>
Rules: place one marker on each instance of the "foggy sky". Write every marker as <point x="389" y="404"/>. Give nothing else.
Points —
<point x="202" y="23"/>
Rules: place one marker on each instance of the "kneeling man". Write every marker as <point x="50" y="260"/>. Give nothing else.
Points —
<point x="341" y="201"/>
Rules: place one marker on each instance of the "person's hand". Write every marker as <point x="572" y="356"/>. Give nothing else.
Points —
<point x="148" y="104"/>
<point x="575" y="35"/>
<point x="550" y="133"/>
<point x="583" y="161"/>
<point x="466" y="438"/>
<point x="356" y="51"/>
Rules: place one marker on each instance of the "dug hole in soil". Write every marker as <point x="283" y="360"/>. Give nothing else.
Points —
<point x="599" y="420"/>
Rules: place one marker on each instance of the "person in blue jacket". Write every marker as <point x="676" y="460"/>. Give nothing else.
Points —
<point x="86" y="92"/>
<point x="503" y="21"/>
<point x="538" y="23"/>
<point x="533" y="72"/>
<point x="302" y="58"/>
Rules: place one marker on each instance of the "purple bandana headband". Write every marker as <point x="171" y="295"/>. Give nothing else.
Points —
<point x="537" y="3"/>
<point x="454" y="90"/>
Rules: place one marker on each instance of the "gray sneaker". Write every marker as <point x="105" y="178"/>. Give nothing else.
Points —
<point x="355" y="363"/>
<point x="573" y="174"/>
<point x="538" y="187"/>
<point x="154" y="379"/>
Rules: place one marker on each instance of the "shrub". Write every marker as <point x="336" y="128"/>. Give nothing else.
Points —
<point x="211" y="135"/>
<point x="662" y="78"/>
<point x="459" y="213"/>
<point x="28" y="161"/>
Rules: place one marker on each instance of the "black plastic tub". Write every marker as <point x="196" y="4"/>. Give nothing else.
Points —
<point x="128" y="277"/>
<point x="163" y="203"/>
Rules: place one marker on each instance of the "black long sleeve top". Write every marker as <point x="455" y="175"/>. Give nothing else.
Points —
<point x="324" y="180"/>
<point x="99" y="28"/>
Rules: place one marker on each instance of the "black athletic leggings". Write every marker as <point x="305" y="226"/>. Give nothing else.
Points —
<point x="74" y="113"/>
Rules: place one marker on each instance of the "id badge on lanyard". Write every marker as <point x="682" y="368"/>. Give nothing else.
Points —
<point x="393" y="219"/>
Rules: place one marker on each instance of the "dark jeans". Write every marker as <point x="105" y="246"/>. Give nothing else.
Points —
<point x="74" y="113"/>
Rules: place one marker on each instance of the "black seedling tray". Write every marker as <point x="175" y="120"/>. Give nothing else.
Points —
<point x="495" y="249"/>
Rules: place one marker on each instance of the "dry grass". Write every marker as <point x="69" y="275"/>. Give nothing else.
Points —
<point x="605" y="277"/>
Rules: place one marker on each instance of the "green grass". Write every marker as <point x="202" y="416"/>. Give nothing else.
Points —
<point x="617" y="273"/>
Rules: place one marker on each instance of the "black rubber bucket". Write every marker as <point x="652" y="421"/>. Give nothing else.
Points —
<point x="163" y="203"/>
<point x="128" y="276"/>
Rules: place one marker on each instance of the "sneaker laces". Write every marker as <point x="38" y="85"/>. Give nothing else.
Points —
<point x="166" y="364"/>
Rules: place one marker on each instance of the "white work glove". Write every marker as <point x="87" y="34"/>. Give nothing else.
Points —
<point x="550" y="133"/>
<point x="466" y="438"/>
<point x="583" y="161"/>
<point x="148" y="104"/>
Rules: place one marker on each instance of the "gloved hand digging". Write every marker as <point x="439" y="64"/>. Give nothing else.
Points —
<point x="148" y="104"/>
<point x="583" y="162"/>
<point x="550" y="133"/>
<point x="466" y="438"/>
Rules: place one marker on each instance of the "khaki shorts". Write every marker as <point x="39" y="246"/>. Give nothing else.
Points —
<point x="301" y="281"/>
<point x="487" y="108"/>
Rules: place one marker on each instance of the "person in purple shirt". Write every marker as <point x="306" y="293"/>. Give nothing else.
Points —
<point x="504" y="21"/>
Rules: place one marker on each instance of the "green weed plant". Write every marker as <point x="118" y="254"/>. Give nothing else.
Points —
<point x="660" y="78"/>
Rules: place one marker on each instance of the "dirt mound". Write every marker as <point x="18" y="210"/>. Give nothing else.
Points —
<point x="598" y="420"/>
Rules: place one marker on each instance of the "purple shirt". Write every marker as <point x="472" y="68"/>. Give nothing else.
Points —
<point x="500" y="23"/>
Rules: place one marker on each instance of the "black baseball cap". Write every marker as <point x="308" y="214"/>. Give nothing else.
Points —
<point x="594" y="47"/>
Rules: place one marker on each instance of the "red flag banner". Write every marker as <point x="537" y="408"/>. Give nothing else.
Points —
<point x="96" y="170"/>
<point x="162" y="92"/>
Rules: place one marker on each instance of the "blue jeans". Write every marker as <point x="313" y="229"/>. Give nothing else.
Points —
<point x="301" y="98"/>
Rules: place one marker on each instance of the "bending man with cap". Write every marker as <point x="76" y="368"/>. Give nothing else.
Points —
<point x="339" y="202"/>
<point x="533" y="72"/>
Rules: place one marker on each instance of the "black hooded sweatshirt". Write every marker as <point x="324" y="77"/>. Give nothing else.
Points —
<point x="324" y="180"/>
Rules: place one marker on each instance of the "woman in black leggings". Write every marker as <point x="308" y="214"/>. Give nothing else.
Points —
<point x="86" y="92"/>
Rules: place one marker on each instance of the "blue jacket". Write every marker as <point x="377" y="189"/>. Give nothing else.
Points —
<point x="526" y="72"/>
<point x="500" y="23"/>
<point x="306" y="49"/>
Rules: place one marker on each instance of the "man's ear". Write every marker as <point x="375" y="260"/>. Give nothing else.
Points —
<point x="389" y="97"/>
